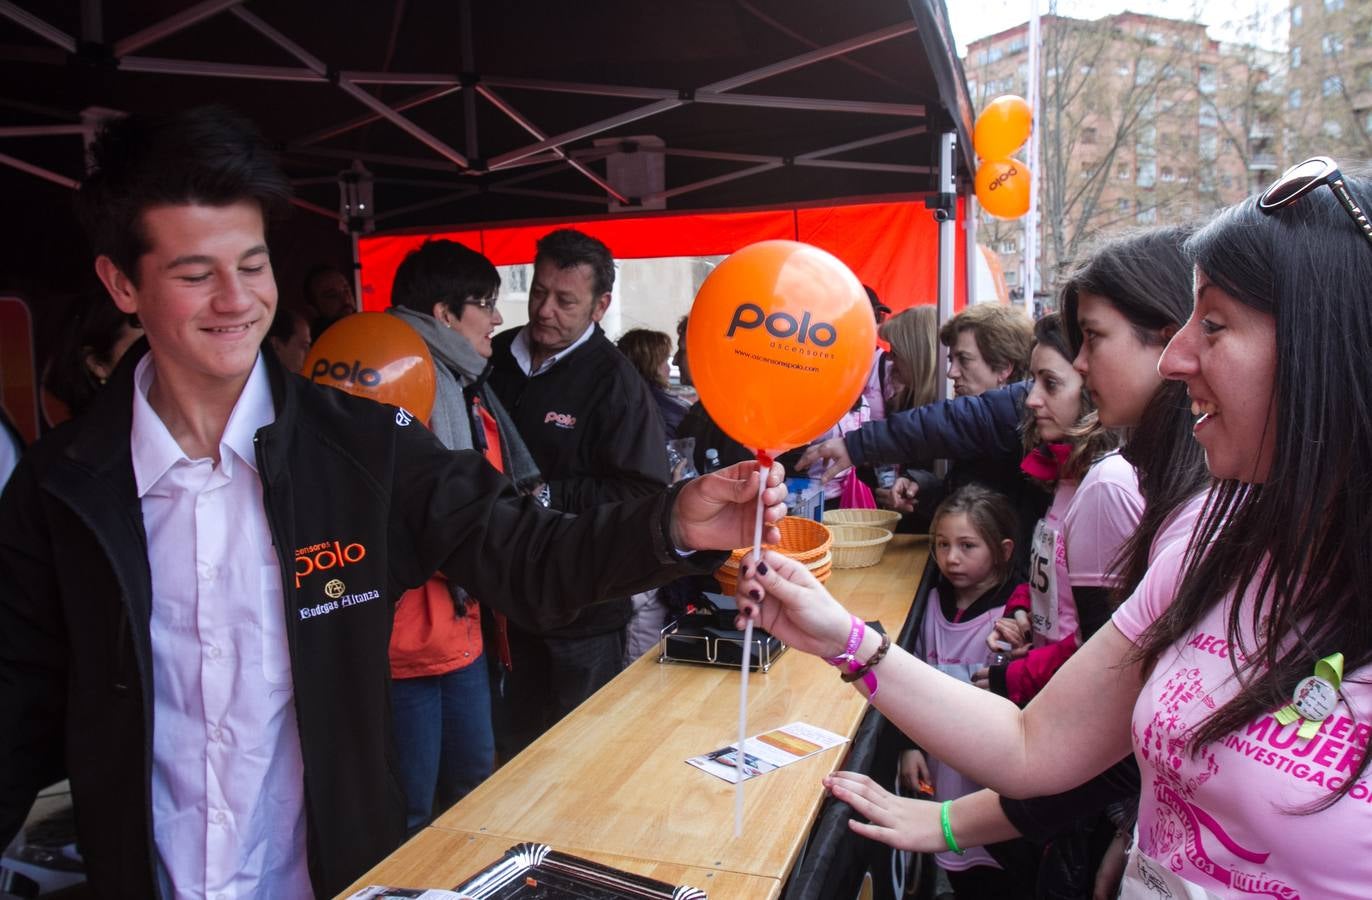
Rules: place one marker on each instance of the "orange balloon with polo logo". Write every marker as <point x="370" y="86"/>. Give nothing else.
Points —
<point x="780" y="342"/>
<point x="1003" y="188"/>
<point x="377" y="356"/>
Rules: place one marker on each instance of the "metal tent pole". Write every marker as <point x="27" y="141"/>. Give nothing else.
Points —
<point x="1030" y="257"/>
<point x="947" y="237"/>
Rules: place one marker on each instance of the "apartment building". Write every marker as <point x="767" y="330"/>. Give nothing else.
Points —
<point x="1142" y="120"/>
<point x="1328" y="103"/>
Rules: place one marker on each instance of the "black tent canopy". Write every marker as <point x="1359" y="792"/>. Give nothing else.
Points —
<point x="478" y="112"/>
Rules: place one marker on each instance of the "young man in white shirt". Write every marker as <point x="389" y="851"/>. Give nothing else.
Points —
<point x="196" y="576"/>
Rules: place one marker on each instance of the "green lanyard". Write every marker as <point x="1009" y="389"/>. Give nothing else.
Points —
<point x="1315" y="697"/>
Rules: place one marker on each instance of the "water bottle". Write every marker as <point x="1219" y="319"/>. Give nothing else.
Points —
<point x="711" y="460"/>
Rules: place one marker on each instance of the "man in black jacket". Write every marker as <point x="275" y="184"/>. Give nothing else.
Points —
<point x="590" y="423"/>
<point x="196" y="576"/>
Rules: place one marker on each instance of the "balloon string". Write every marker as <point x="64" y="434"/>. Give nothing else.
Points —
<point x="740" y="768"/>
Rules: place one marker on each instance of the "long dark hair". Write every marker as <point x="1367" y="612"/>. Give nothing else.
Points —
<point x="1146" y="277"/>
<point x="1089" y="439"/>
<point x="1301" y="541"/>
<point x="90" y="333"/>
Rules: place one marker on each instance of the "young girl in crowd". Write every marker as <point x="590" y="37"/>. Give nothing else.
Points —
<point x="1096" y="507"/>
<point x="973" y="541"/>
<point x="1237" y="672"/>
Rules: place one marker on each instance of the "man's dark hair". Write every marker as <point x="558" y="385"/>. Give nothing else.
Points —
<point x="207" y="155"/>
<point x="567" y="248"/>
<point x="443" y="272"/>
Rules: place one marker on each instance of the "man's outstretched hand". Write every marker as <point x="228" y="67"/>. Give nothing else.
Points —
<point x="715" y="511"/>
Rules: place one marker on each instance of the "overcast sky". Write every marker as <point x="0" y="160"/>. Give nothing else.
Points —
<point x="1227" y="20"/>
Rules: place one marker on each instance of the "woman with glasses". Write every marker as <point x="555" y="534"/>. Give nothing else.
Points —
<point x="1236" y="672"/>
<point x="440" y="689"/>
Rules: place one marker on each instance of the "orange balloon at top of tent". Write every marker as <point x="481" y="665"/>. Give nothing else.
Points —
<point x="377" y="356"/>
<point x="1003" y="127"/>
<point x="780" y="342"/>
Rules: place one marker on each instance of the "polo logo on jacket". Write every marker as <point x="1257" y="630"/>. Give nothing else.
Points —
<point x="325" y="556"/>
<point x="561" y="420"/>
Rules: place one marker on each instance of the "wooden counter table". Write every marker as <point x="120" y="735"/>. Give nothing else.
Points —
<point x="610" y="781"/>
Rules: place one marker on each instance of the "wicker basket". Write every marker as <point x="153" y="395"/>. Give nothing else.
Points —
<point x="856" y="546"/>
<point x="727" y="574"/>
<point x="804" y="540"/>
<point x="879" y="518"/>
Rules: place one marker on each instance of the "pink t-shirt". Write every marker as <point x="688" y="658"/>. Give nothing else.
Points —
<point x="1105" y="512"/>
<point x="958" y="648"/>
<point x="1078" y="539"/>
<point x="1217" y="819"/>
<point x="1179" y="525"/>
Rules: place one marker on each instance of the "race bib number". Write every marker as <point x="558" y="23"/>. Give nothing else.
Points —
<point x="1043" y="580"/>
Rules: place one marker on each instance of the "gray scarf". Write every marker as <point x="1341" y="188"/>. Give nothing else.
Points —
<point x="457" y="365"/>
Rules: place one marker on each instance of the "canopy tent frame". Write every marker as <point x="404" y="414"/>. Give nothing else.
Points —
<point x="740" y="110"/>
<point x="472" y="85"/>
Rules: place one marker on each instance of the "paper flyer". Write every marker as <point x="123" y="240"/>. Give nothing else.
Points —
<point x="768" y="751"/>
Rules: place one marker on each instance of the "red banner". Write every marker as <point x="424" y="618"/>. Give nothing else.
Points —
<point x="893" y="246"/>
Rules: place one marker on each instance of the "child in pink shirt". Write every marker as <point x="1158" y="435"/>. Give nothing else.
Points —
<point x="973" y="542"/>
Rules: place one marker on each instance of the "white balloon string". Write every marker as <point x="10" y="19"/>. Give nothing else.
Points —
<point x="739" y="758"/>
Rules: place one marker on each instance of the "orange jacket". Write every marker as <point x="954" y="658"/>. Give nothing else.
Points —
<point x="429" y="637"/>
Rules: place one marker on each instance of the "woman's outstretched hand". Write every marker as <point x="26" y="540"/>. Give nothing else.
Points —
<point x="784" y="598"/>
<point x="900" y="822"/>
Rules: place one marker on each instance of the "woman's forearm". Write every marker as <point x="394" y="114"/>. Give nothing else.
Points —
<point x="1080" y="720"/>
<point x="977" y="819"/>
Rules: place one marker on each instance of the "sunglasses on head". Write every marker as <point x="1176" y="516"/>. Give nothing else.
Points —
<point x="1304" y="177"/>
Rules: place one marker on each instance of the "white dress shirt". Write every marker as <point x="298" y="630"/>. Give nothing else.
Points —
<point x="522" y="351"/>
<point x="228" y="811"/>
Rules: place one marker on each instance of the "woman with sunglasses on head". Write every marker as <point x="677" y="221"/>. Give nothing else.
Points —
<point x="1122" y="305"/>
<point x="1225" y="671"/>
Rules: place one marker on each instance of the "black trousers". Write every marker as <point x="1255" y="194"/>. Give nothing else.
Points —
<point x="986" y="883"/>
<point x="550" y="678"/>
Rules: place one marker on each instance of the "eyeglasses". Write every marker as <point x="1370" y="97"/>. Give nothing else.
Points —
<point x="485" y="304"/>
<point x="1304" y="177"/>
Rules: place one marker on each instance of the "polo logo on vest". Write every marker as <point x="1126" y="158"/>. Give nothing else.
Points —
<point x="325" y="557"/>
<point x="353" y="373"/>
<point x="403" y="417"/>
<point x="561" y="420"/>
<point x="782" y="326"/>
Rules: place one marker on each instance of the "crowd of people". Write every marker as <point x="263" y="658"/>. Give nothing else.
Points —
<point x="1138" y="668"/>
<point x="1194" y="730"/>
